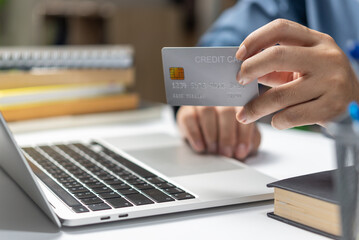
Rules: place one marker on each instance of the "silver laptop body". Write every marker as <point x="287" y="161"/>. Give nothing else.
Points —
<point x="161" y="173"/>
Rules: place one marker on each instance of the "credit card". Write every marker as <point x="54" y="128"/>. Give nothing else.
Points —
<point x="204" y="76"/>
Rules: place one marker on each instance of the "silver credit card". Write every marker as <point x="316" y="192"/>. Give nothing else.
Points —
<point x="204" y="76"/>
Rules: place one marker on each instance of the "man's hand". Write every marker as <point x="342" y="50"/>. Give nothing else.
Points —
<point x="216" y="131"/>
<point x="311" y="78"/>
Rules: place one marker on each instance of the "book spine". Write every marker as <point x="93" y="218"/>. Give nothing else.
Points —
<point x="71" y="107"/>
<point x="57" y="93"/>
<point x="20" y="79"/>
<point x="66" y="57"/>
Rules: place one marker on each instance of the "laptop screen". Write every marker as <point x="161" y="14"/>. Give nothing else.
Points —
<point x="14" y="164"/>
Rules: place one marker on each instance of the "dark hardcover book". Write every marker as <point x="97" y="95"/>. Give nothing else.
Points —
<point x="299" y="200"/>
<point x="317" y="185"/>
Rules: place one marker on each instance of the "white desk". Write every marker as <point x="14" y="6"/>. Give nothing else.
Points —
<point x="283" y="154"/>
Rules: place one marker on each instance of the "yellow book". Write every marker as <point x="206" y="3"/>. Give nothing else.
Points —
<point x="21" y="79"/>
<point x="70" y="107"/>
<point x="38" y="94"/>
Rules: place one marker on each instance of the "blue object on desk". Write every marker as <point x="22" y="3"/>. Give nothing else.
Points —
<point x="353" y="110"/>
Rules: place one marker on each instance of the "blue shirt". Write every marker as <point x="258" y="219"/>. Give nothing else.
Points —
<point x="338" y="18"/>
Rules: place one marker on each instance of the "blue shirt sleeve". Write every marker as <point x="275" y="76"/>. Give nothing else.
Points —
<point x="246" y="16"/>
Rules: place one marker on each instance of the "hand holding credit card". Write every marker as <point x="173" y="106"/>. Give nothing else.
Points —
<point x="204" y="76"/>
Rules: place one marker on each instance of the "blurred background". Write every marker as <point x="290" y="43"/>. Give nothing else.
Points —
<point x="147" y="25"/>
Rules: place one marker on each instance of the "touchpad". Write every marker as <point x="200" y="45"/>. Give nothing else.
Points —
<point x="170" y="155"/>
<point x="180" y="160"/>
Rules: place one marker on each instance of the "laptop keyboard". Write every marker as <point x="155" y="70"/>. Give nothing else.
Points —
<point x="94" y="178"/>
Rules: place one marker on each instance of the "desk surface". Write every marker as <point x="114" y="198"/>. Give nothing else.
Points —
<point x="282" y="154"/>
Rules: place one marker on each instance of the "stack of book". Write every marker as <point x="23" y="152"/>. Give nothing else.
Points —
<point x="55" y="81"/>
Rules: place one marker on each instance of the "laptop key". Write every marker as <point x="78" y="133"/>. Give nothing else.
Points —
<point x="98" y="206"/>
<point x="109" y="195"/>
<point x="66" y="180"/>
<point x="114" y="181"/>
<point x="127" y="191"/>
<point x="89" y="201"/>
<point x="135" y="181"/>
<point x="121" y="186"/>
<point x="139" y="199"/>
<point x="61" y="175"/>
<point x="144" y="186"/>
<point x="122" y="172"/>
<point x="182" y="196"/>
<point x="165" y="185"/>
<point x="47" y="165"/>
<point x="155" y="180"/>
<point x="71" y="184"/>
<point x="102" y="189"/>
<point x="108" y="165"/>
<point x="72" y="168"/>
<point x="80" y="209"/>
<point x="89" y="180"/>
<point x="85" y="195"/>
<point x="129" y="177"/>
<point x="157" y="195"/>
<point x="119" y="202"/>
<point x="94" y="168"/>
<point x="107" y="177"/>
<point x="100" y="173"/>
<point x="95" y="185"/>
<point x="84" y="176"/>
<point x="78" y="172"/>
<point x="77" y="189"/>
<point x="173" y="190"/>
<point x="86" y="164"/>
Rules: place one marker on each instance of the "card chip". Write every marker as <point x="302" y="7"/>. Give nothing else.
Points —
<point x="176" y="73"/>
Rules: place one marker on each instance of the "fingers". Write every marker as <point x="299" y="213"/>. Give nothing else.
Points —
<point x="227" y="130"/>
<point x="274" y="59"/>
<point x="317" y="111"/>
<point x="278" y="98"/>
<point x="280" y="31"/>
<point x="207" y="117"/>
<point x="311" y="78"/>
<point x="215" y="130"/>
<point x="298" y="115"/>
<point x="245" y="136"/>
<point x="276" y="78"/>
<point x="189" y="126"/>
<point x="256" y="140"/>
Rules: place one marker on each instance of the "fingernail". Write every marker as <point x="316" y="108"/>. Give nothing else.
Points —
<point x="241" y="53"/>
<point x="241" y="80"/>
<point x="242" y="151"/>
<point x="227" y="151"/>
<point x="199" y="146"/>
<point x="244" y="80"/>
<point x="241" y="116"/>
<point x="212" y="148"/>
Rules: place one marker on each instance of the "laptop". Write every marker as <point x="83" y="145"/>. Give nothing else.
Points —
<point x="116" y="179"/>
